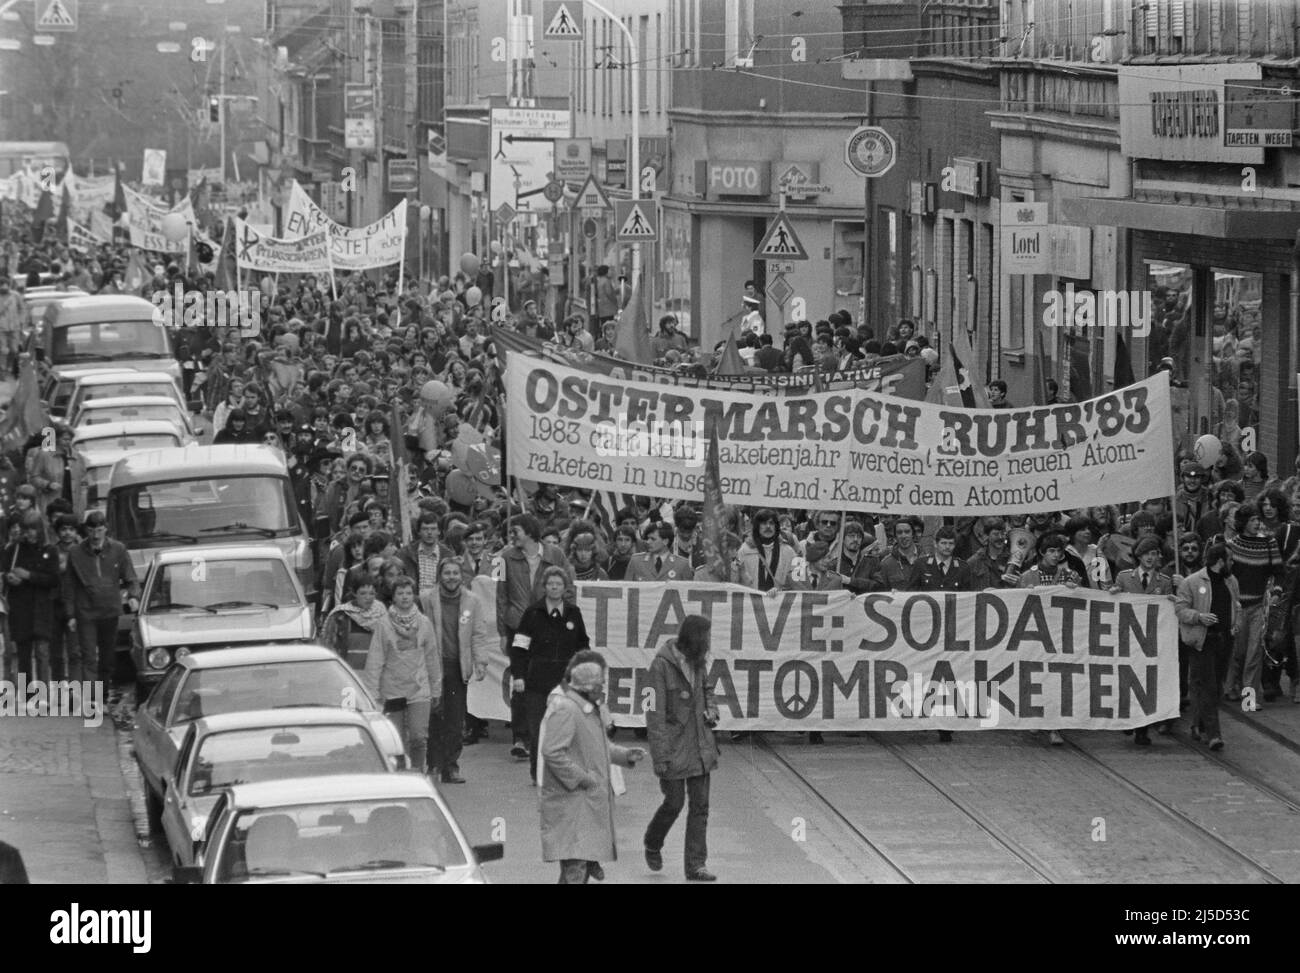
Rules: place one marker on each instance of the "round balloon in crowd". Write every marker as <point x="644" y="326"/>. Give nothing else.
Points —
<point x="469" y="264"/>
<point x="1207" y="451"/>
<point x="175" y="227"/>
<point x="437" y="396"/>
<point x="460" y="488"/>
<point x="473" y="296"/>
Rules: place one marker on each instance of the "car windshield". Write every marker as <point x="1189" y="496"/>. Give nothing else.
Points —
<point x="279" y="685"/>
<point x="92" y="416"/>
<point x="97" y="488"/>
<point x="347" y="837"/>
<point x="109" y="340"/>
<point x="191" y="508"/>
<point x="150" y="441"/>
<point x="210" y="583"/>
<point x="280" y="753"/>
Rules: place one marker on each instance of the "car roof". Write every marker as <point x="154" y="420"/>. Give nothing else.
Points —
<point x="275" y="718"/>
<point x="326" y="790"/>
<point x="198" y="462"/>
<point x="125" y="375"/>
<point x="94" y="458"/>
<point x="225" y="552"/>
<point x="250" y="655"/>
<point x="131" y="427"/>
<point x="119" y="400"/>
<point x="96" y="308"/>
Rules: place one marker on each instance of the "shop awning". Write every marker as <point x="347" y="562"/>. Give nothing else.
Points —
<point x="1218" y="222"/>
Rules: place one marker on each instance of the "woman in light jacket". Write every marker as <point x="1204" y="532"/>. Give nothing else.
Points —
<point x="403" y="670"/>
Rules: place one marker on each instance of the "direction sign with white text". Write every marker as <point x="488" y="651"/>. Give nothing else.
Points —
<point x="523" y="154"/>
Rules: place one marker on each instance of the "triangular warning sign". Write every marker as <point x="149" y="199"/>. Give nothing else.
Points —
<point x="780" y="243"/>
<point x="563" y="24"/>
<point x="56" y="15"/>
<point x="591" y="196"/>
<point x="638" y="225"/>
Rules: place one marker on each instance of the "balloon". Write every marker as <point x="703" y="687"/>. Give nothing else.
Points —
<point x="496" y="246"/>
<point x="469" y="435"/>
<point x="469" y="264"/>
<point x="1208" y="449"/>
<point x="473" y="296"/>
<point x="175" y="227"/>
<point x="437" y="396"/>
<point x="460" y="489"/>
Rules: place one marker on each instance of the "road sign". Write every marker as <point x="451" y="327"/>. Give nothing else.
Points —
<point x="359" y="133"/>
<point x="780" y="242"/>
<point x="777" y="267"/>
<point x="562" y="20"/>
<point x="403" y="175"/>
<point x="505" y="213"/>
<point x="780" y="291"/>
<point x="553" y="192"/>
<point x="523" y="153"/>
<point x="57" y="15"/>
<point x="636" y="219"/>
<point x="591" y="198"/>
<point x="358" y="99"/>
<point x="572" y="160"/>
<point x="870" y="151"/>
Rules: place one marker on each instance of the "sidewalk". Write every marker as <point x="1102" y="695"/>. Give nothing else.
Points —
<point x="63" y="802"/>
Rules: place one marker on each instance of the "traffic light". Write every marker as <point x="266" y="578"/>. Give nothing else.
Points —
<point x="214" y="109"/>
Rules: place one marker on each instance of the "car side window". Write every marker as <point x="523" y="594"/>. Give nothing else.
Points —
<point x="183" y="757"/>
<point x="160" y="702"/>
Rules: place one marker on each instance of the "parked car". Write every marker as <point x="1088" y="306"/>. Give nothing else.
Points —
<point x="116" y="384"/>
<point x="132" y="408"/>
<point x="110" y="329"/>
<point x="367" y="828"/>
<point x="142" y="434"/>
<point x="207" y="495"/>
<point x="263" y="745"/>
<point x="198" y="598"/>
<point x="234" y="681"/>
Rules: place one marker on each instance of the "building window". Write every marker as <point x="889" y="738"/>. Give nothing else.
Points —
<point x="647" y="65"/>
<point x="675" y="276"/>
<point x="1236" y="351"/>
<point x="739" y="30"/>
<point x="847" y="238"/>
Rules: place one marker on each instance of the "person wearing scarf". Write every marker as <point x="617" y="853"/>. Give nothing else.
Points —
<point x="404" y="671"/>
<point x="1257" y="562"/>
<point x="764" y="559"/>
<point x="350" y="628"/>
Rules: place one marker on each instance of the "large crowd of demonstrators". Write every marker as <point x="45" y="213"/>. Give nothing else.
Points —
<point x="331" y="367"/>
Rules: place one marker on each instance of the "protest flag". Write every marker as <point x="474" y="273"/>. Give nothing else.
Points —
<point x="962" y="357"/>
<point x="118" y="206"/>
<point x="65" y="202"/>
<point x="137" y="272"/>
<point x="1123" y="363"/>
<point x="730" y="363"/>
<point x="714" y="515"/>
<point x="26" y="415"/>
<point x="44" y="212"/>
<point x="633" y="342"/>
<point x="227" y="276"/>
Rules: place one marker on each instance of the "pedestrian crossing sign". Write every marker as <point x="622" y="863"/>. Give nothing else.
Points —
<point x="636" y="220"/>
<point x="563" y="20"/>
<point x="57" y="15"/>
<point x="781" y="243"/>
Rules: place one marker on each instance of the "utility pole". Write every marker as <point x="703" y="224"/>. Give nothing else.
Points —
<point x="221" y="112"/>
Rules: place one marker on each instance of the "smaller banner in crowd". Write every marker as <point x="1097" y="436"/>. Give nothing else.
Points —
<point x="79" y="238"/>
<point x="850" y="450"/>
<point x="380" y="244"/>
<point x="896" y="375"/>
<point x="144" y="218"/>
<point x="1020" y="659"/>
<point x="253" y="251"/>
<point x="89" y="194"/>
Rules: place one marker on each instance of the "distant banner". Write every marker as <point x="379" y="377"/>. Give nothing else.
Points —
<point x="896" y="375"/>
<point x="851" y="450"/>
<point x="101" y="226"/>
<point x="90" y="194"/>
<point x="253" y="251"/>
<point x="144" y="219"/>
<point x="1019" y="659"/>
<point x="79" y="238"/>
<point x="380" y="244"/>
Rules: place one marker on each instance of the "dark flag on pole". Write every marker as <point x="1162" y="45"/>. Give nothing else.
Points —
<point x="118" y="206"/>
<point x="715" y="511"/>
<point x="1123" y="363"/>
<point x="44" y="213"/>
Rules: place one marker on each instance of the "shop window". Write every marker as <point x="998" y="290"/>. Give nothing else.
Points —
<point x="1171" y="337"/>
<point x="675" y="276"/>
<point x="1235" y="355"/>
<point x="848" y="238"/>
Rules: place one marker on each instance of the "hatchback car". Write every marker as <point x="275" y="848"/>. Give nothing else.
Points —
<point x="233" y="681"/>
<point x="371" y="828"/>
<point x="198" y="598"/>
<point x="130" y="408"/>
<point x="117" y="384"/>
<point x="129" y="436"/>
<point x="264" y="745"/>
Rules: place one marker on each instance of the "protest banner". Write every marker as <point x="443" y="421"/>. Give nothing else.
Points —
<point x="90" y="194"/>
<point x="145" y="217"/>
<point x="895" y="375"/>
<point x="253" y="251"/>
<point x="850" y="450"/>
<point x="1017" y="659"/>
<point x="79" y="238"/>
<point x="380" y="244"/>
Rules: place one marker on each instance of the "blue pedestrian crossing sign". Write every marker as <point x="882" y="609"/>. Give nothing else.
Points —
<point x="636" y="219"/>
<point x="781" y="242"/>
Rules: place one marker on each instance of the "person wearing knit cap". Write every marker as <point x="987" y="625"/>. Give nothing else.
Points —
<point x="573" y="773"/>
<point x="682" y="746"/>
<point x="1146" y="579"/>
